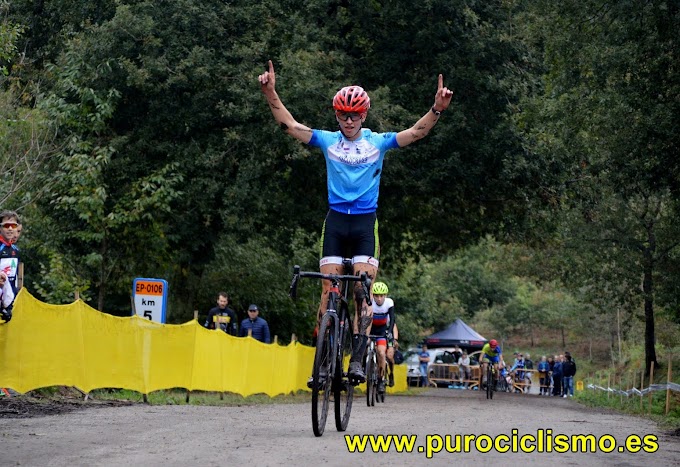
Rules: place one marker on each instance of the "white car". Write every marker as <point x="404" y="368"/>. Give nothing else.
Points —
<point x="441" y="355"/>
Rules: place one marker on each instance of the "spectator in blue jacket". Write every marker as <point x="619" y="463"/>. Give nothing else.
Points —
<point x="258" y="326"/>
<point x="544" y="375"/>
<point x="517" y="369"/>
<point x="424" y="359"/>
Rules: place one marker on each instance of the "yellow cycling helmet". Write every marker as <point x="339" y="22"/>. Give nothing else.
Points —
<point x="380" y="288"/>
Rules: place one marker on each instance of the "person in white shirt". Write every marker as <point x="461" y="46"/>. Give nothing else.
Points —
<point x="6" y="298"/>
<point x="464" y="369"/>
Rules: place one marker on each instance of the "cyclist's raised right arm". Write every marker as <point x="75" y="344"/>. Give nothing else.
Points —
<point x="283" y="117"/>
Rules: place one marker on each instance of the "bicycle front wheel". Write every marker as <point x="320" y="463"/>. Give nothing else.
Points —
<point x="321" y="388"/>
<point x="384" y="379"/>
<point x="489" y="381"/>
<point x="343" y="391"/>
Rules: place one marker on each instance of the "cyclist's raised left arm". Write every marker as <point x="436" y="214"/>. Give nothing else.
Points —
<point x="393" y="320"/>
<point x="442" y="99"/>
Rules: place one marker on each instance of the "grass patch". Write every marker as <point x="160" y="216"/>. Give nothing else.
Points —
<point x="631" y="405"/>
<point x="179" y="397"/>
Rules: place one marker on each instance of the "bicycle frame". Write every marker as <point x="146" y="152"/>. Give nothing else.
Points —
<point x="373" y="372"/>
<point x="491" y="378"/>
<point x="337" y="323"/>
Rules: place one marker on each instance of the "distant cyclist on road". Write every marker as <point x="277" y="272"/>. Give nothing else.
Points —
<point x="491" y="353"/>
<point x="384" y="320"/>
<point x="354" y="158"/>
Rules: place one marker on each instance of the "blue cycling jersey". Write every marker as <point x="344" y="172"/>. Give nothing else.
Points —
<point x="353" y="168"/>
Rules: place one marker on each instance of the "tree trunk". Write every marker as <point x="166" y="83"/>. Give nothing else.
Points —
<point x="618" y="332"/>
<point x="647" y="289"/>
<point x="102" y="275"/>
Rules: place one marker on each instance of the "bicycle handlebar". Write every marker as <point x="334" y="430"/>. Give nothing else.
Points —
<point x="336" y="278"/>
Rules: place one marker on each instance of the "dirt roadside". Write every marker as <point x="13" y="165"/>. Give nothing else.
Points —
<point x="105" y="434"/>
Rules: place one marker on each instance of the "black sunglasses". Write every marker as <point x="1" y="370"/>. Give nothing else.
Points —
<point x="344" y="115"/>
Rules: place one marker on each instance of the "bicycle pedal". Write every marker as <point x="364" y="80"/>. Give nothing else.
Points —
<point x="354" y="381"/>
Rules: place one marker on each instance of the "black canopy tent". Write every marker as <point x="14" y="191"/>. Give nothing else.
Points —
<point x="458" y="333"/>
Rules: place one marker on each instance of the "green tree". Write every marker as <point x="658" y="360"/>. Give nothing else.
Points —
<point x="26" y="134"/>
<point x="605" y="125"/>
<point x="106" y="223"/>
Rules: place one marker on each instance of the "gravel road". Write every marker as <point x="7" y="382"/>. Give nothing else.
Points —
<point x="262" y="435"/>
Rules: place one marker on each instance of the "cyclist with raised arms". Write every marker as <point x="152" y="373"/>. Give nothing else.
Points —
<point x="491" y="352"/>
<point x="384" y="321"/>
<point x="354" y="158"/>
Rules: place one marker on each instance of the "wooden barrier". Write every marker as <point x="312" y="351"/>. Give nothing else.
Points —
<point x="449" y="374"/>
<point x="446" y="373"/>
<point x="20" y="276"/>
<point x="528" y="378"/>
<point x="443" y="373"/>
<point x="475" y="377"/>
<point x="545" y="376"/>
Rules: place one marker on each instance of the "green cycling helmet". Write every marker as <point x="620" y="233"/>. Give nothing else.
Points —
<point x="380" y="288"/>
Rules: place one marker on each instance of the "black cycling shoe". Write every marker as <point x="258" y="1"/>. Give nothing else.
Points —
<point x="391" y="381"/>
<point x="356" y="373"/>
<point x="381" y="386"/>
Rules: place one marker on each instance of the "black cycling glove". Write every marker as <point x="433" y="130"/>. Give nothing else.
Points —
<point x="6" y="314"/>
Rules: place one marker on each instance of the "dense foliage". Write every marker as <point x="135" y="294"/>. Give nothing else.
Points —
<point x="544" y="196"/>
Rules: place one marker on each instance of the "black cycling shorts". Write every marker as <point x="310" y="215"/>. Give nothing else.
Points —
<point x="350" y="235"/>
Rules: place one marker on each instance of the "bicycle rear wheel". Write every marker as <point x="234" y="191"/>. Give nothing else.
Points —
<point x="343" y="392"/>
<point x="371" y="373"/>
<point x="489" y="381"/>
<point x="321" y="389"/>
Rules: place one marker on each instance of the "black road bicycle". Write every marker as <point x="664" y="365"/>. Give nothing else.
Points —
<point x="371" y="370"/>
<point x="490" y="380"/>
<point x="333" y="345"/>
<point x="373" y="378"/>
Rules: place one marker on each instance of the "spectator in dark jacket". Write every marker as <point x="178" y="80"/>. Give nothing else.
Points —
<point x="557" y="376"/>
<point x="528" y="362"/>
<point x="224" y="315"/>
<point x="258" y="326"/>
<point x="568" y="373"/>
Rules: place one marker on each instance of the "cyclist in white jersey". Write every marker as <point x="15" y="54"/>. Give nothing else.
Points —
<point x="354" y="159"/>
<point x="384" y="325"/>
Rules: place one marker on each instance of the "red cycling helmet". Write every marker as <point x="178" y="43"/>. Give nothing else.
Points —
<point x="352" y="99"/>
<point x="493" y="342"/>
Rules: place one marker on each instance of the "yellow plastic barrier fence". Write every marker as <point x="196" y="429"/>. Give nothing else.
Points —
<point x="76" y="345"/>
